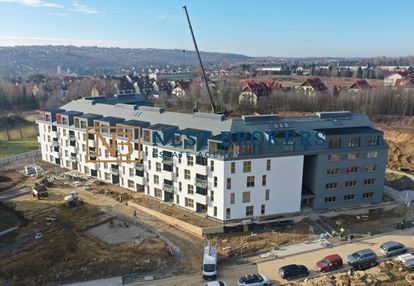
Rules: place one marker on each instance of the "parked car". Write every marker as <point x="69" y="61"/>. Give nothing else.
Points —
<point x="362" y="258"/>
<point x="409" y="264"/>
<point x="391" y="248"/>
<point x="39" y="235"/>
<point x="403" y="169"/>
<point x="253" y="280"/>
<point x="329" y="263"/>
<point x="292" y="271"/>
<point x="364" y="265"/>
<point x="215" y="283"/>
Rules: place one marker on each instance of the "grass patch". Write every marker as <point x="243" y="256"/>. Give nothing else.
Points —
<point x="18" y="145"/>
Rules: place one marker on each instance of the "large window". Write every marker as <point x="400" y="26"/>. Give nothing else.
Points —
<point x="330" y="199"/>
<point x="332" y="172"/>
<point x="264" y="180"/>
<point x="158" y="193"/>
<point x="247" y="166"/>
<point x="187" y="174"/>
<point x="189" y="203"/>
<point x="368" y="195"/>
<point x="371" y="168"/>
<point x="331" y="186"/>
<point x="233" y="167"/>
<point x="246" y="197"/>
<point x="190" y="161"/>
<point x="250" y="181"/>
<point x="156" y="179"/>
<point x="351" y="170"/>
<point x="228" y="213"/>
<point x="268" y="165"/>
<point x="249" y="210"/>
<point x="190" y="189"/>
<point x="372" y="154"/>
<point x="334" y="143"/>
<point x="350" y="184"/>
<point x="369" y="182"/>
<point x="374" y="140"/>
<point x="354" y="142"/>
<point x="334" y="157"/>
<point x="228" y="185"/>
<point x="349" y="197"/>
<point x="232" y="198"/>
<point x="353" y="156"/>
<point x="263" y="209"/>
<point x="267" y="195"/>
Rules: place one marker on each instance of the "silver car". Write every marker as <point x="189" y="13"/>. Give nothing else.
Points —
<point x="391" y="248"/>
<point x="361" y="257"/>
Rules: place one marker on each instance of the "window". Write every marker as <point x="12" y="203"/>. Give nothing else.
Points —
<point x="158" y="193"/>
<point x="353" y="156"/>
<point x="330" y="199"/>
<point x="374" y="140"/>
<point x="212" y="196"/>
<point x="215" y="181"/>
<point x="351" y="170"/>
<point x="354" y="142"/>
<point x="190" y="161"/>
<point x="372" y="154"/>
<point x="215" y="211"/>
<point x="180" y="186"/>
<point x="146" y="151"/>
<point x="156" y="179"/>
<point x="369" y="182"/>
<point x="331" y="185"/>
<point x="263" y="209"/>
<point x="190" y="189"/>
<point x="332" y="172"/>
<point x="250" y="181"/>
<point x="130" y="184"/>
<point x="247" y="166"/>
<point x="107" y="176"/>
<point x="154" y="153"/>
<point x="177" y="172"/>
<point x="233" y="167"/>
<point x="149" y="164"/>
<point x="246" y="197"/>
<point x="268" y="165"/>
<point x="367" y="195"/>
<point x="189" y="203"/>
<point x="334" y="157"/>
<point x="232" y="198"/>
<point x="228" y="184"/>
<point x="187" y="174"/>
<point x="371" y="168"/>
<point x="105" y="165"/>
<point x="267" y="195"/>
<point x="249" y="210"/>
<point x="228" y="213"/>
<point x="349" y="197"/>
<point x="158" y="166"/>
<point x="334" y="143"/>
<point x="212" y="166"/>
<point x="350" y="184"/>
<point x="177" y="199"/>
<point x="264" y="180"/>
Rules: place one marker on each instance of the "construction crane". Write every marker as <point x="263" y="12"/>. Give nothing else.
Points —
<point x="213" y="107"/>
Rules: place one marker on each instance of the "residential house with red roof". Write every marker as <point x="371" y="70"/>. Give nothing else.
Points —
<point x="254" y="90"/>
<point x="181" y="87"/>
<point x="359" y="85"/>
<point x="313" y="86"/>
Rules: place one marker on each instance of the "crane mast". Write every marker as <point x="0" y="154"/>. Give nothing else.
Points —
<point x="213" y="107"/>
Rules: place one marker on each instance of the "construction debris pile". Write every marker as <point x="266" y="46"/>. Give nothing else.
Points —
<point x="386" y="273"/>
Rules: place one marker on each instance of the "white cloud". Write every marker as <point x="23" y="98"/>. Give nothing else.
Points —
<point x="84" y="9"/>
<point x="34" y="3"/>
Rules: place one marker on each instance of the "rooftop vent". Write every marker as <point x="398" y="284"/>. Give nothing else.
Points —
<point x="259" y="118"/>
<point x="334" y="114"/>
<point x="152" y="109"/>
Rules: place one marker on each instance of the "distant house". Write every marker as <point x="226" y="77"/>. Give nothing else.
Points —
<point x="399" y="79"/>
<point x="94" y="91"/>
<point x="163" y="87"/>
<point x="252" y="91"/>
<point x="181" y="87"/>
<point x="359" y="85"/>
<point x="313" y="86"/>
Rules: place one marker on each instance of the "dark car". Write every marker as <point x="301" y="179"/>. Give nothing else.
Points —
<point x="365" y="257"/>
<point x="293" y="271"/>
<point x="253" y="280"/>
<point x="329" y="263"/>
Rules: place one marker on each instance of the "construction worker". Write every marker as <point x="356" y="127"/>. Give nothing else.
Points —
<point x="342" y="230"/>
<point x="135" y="213"/>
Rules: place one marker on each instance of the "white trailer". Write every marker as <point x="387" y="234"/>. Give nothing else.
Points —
<point x="209" y="269"/>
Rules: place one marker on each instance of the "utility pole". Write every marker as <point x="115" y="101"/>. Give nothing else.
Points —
<point x="213" y="107"/>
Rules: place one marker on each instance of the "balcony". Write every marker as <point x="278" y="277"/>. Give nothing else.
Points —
<point x="73" y="158"/>
<point x="91" y="142"/>
<point x="92" y="153"/>
<point x="201" y="199"/>
<point x="54" y="134"/>
<point x="115" y="172"/>
<point x="93" y="166"/>
<point x="72" y="149"/>
<point x="141" y="181"/>
<point x="72" y="137"/>
<point x="168" y="188"/>
<point x="139" y="166"/>
<point x="56" y="154"/>
<point x="201" y="183"/>
<point x="167" y="160"/>
<point x="200" y="169"/>
<point x="55" y="144"/>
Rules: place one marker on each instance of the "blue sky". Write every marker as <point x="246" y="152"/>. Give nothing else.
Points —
<point x="257" y="28"/>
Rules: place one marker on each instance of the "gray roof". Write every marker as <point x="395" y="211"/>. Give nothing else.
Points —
<point x="217" y="123"/>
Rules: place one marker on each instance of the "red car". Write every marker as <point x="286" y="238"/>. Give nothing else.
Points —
<point x="329" y="263"/>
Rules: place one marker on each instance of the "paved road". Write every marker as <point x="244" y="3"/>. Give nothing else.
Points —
<point x="269" y="268"/>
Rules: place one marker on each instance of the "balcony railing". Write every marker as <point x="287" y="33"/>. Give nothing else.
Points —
<point x="167" y="160"/>
<point x="201" y="183"/>
<point x="114" y="171"/>
<point x="168" y="188"/>
<point x="139" y="166"/>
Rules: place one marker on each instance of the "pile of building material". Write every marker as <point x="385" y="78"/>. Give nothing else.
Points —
<point x="382" y="274"/>
<point x="32" y="170"/>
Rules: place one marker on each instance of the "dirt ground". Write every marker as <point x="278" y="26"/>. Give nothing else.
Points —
<point x="230" y="244"/>
<point x="121" y="194"/>
<point x="66" y="253"/>
<point x="10" y="179"/>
